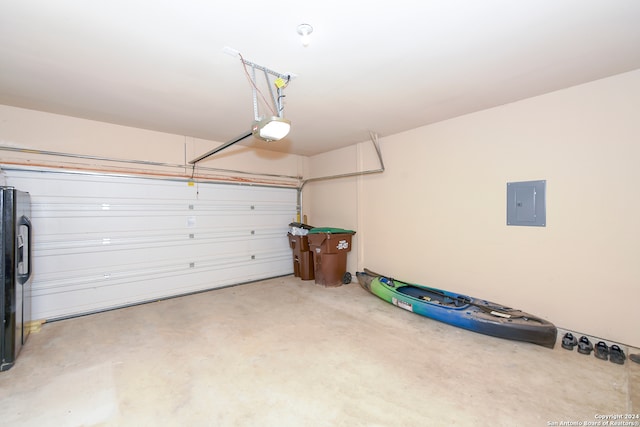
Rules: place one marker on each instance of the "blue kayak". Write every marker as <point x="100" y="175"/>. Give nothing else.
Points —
<point x="465" y="312"/>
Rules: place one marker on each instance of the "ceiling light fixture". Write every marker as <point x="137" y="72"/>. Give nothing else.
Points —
<point x="271" y="128"/>
<point x="305" y="30"/>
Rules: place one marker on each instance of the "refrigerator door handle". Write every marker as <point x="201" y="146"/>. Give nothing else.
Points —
<point x="24" y="258"/>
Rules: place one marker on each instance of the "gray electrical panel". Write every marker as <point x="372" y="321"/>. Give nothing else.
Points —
<point x="526" y="203"/>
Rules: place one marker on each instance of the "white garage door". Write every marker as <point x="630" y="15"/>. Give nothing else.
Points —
<point x="104" y="241"/>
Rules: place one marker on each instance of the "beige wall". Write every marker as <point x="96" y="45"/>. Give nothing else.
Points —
<point x="437" y="214"/>
<point x="34" y="130"/>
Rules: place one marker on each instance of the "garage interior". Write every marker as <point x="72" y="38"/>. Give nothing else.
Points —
<point x="163" y="290"/>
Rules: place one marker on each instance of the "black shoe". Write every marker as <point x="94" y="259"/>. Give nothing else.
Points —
<point x="634" y="358"/>
<point x="616" y="355"/>
<point x="569" y="341"/>
<point x="602" y="351"/>
<point x="584" y="345"/>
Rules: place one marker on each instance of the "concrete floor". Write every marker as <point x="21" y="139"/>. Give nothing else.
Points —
<point x="285" y="352"/>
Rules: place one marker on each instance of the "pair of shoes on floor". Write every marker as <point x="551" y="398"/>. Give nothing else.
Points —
<point x="584" y="345"/>
<point x="613" y="353"/>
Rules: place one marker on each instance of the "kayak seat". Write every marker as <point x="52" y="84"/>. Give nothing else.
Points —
<point x="425" y="295"/>
<point x="388" y="282"/>
<point x="461" y="301"/>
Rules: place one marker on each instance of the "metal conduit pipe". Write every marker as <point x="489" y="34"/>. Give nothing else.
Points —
<point x="137" y="176"/>
<point x="376" y="145"/>
<point x="373" y="136"/>
<point x="138" y="162"/>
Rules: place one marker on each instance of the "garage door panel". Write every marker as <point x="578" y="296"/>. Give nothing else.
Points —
<point x="103" y="242"/>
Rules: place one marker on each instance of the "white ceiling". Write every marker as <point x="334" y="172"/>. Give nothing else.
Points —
<point x="386" y="66"/>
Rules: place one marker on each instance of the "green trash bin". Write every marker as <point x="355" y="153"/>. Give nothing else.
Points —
<point x="330" y="246"/>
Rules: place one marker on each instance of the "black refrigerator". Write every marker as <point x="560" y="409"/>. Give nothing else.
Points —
<point x="15" y="267"/>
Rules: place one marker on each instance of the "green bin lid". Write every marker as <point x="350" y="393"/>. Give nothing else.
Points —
<point x="330" y="230"/>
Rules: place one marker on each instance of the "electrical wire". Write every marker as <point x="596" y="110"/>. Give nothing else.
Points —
<point x="244" y="65"/>
<point x="280" y="95"/>
<point x="284" y="86"/>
